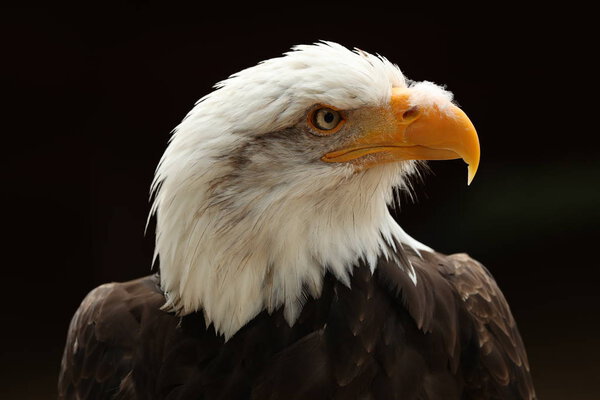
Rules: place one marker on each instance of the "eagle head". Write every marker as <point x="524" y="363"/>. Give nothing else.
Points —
<point x="284" y="173"/>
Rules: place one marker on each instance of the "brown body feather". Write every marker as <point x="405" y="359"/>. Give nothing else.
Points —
<point x="451" y="336"/>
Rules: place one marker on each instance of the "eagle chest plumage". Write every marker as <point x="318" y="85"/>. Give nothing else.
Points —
<point x="450" y="336"/>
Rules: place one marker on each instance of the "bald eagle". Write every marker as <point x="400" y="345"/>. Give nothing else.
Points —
<point x="282" y="273"/>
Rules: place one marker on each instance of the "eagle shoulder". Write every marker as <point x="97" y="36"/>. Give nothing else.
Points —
<point x="496" y="357"/>
<point x="98" y="356"/>
<point x="455" y="299"/>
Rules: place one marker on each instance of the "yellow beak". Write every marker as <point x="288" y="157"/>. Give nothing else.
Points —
<point x="404" y="132"/>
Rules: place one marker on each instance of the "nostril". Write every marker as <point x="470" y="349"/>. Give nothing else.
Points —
<point x="411" y="113"/>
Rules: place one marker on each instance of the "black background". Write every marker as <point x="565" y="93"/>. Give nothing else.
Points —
<point x="90" y="96"/>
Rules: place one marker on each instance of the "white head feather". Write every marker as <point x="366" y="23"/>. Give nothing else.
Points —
<point x="248" y="217"/>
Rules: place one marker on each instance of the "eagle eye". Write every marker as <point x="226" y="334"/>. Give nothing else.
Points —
<point x="325" y="120"/>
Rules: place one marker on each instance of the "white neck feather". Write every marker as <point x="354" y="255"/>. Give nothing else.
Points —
<point x="265" y="248"/>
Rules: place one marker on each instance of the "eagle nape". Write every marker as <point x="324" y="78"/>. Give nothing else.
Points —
<point x="282" y="274"/>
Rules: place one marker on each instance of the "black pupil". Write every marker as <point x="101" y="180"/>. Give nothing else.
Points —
<point x="329" y="117"/>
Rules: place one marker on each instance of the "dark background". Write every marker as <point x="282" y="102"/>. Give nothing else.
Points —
<point x="90" y="96"/>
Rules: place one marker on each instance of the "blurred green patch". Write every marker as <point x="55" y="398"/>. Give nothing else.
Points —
<point x="506" y="205"/>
